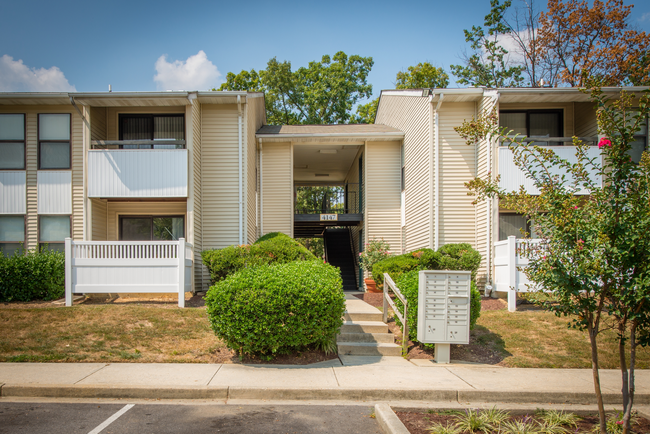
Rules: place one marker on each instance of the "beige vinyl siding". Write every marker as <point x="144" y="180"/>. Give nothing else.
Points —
<point x="115" y="209"/>
<point x="255" y="117"/>
<point x="277" y="188"/>
<point x="113" y="114"/>
<point x="585" y="119"/>
<point x="31" y="153"/>
<point x="457" y="166"/>
<point x="99" y="219"/>
<point x="219" y="175"/>
<point x="382" y="180"/>
<point x="411" y="115"/>
<point x="194" y="203"/>
<point x="567" y="108"/>
<point x="483" y="242"/>
<point x="97" y="123"/>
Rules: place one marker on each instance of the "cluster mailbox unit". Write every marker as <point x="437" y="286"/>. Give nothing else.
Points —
<point x="443" y="310"/>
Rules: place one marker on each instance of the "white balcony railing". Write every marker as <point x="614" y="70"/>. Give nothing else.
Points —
<point x="512" y="177"/>
<point x="127" y="173"/>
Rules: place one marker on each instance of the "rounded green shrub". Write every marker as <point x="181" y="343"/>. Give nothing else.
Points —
<point x="459" y="256"/>
<point x="408" y="286"/>
<point x="276" y="309"/>
<point x="395" y="266"/>
<point x="32" y="276"/>
<point x="273" y="248"/>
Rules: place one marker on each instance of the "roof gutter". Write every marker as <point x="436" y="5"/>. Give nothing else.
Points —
<point x="396" y="135"/>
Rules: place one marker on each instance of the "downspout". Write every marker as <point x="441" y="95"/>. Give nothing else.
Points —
<point x="490" y="205"/>
<point x="239" y="160"/>
<point x="437" y="174"/>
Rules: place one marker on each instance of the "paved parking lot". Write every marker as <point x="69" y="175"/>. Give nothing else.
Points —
<point x="86" y="418"/>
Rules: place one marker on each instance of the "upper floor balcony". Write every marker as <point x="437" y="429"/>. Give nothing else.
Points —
<point x="137" y="169"/>
<point x="512" y="177"/>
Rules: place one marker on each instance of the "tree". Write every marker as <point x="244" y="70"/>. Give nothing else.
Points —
<point x="594" y="42"/>
<point x="423" y="75"/>
<point x="489" y="64"/>
<point x="322" y="93"/>
<point x="366" y="113"/>
<point x="595" y="260"/>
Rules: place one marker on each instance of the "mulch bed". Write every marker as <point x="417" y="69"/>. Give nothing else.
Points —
<point x="419" y="423"/>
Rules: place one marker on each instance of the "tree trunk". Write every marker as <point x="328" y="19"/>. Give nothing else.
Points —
<point x="594" y="368"/>
<point x="623" y="365"/>
<point x="628" y="409"/>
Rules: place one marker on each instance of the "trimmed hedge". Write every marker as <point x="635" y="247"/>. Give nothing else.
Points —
<point x="395" y="266"/>
<point x="278" y="309"/>
<point x="408" y="285"/>
<point x="460" y="256"/>
<point x="273" y="248"/>
<point x="32" y="276"/>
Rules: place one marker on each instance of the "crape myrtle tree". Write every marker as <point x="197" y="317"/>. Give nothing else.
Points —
<point x="594" y="263"/>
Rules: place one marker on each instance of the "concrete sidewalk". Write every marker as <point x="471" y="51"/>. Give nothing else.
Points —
<point x="350" y="378"/>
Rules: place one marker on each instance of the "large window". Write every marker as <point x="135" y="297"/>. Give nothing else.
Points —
<point x="533" y="123"/>
<point x="640" y="142"/>
<point x="163" y="127"/>
<point x="52" y="231"/>
<point x="12" y="141"/>
<point x="512" y="224"/>
<point x="152" y="228"/>
<point x="54" y="141"/>
<point x="12" y="234"/>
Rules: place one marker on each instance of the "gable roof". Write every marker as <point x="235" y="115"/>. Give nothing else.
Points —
<point x="344" y="130"/>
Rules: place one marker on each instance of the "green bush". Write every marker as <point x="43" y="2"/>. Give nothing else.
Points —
<point x="408" y="286"/>
<point x="395" y="266"/>
<point x="276" y="309"/>
<point x="460" y="256"/>
<point x="273" y="248"/>
<point x="32" y="276"/>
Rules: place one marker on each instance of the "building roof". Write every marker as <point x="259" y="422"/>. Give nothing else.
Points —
<point x="345" y="130"/>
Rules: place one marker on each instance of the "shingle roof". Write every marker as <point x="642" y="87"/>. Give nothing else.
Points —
<point x="340" y="130"/>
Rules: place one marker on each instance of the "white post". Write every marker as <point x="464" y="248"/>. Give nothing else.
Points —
<point x="512" y="273"/>
<point x="68" y="271"/>
<point x="442" y="353"/>
<point x="181" y="272"/>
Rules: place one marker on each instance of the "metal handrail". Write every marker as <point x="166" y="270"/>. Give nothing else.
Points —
<point x="138" y="144"/>
<point x="389" y="284"/>
<point x="356" y="259"/>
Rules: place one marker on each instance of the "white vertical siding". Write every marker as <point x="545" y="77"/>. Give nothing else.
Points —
<point x="97" y="123"/>
<point x="99" y="220"/>
<point x="585" y="119"/>
<point x="457" y="166"/>
<point x="411" y="115"/>
<point x="137" y="173"/>
<point x="77" y="229"/>
<point x="13" y="192"/>
<point x="277" y="188"/>
<point x="54" y="192"/>
<point x="255" y="117"/>
<point x="195" y="199"/>
<point x="382" y="214"/>
<point x="219" y="175"/>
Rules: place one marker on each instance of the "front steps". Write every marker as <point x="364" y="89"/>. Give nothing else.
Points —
<point x="363" y="333"/>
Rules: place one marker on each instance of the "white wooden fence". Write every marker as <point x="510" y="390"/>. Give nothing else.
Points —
<point x="128" y="267"/>
<point x="510" y="259"/>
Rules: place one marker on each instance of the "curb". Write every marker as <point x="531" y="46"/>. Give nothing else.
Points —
<point x="303" y="394"/>
<point x="388" y="420"/>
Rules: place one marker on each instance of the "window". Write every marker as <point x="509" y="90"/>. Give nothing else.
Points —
<point x="12" y="141"/>
<point x="533" y="123"/>
<point x="152" y="228"/>
<point x="152" y="127"/>
<point x="52" y="231"/>
<point x="12" y="234"/>
<point x="54" y="141"/>
<point x="512" y="224"/>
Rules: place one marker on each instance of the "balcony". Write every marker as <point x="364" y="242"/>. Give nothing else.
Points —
<point x="137" y="170"/>
<point x="512" y="177"/>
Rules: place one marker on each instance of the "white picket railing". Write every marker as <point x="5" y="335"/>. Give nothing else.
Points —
<point x="128" y="267"/>
<point x="510" y="258"/>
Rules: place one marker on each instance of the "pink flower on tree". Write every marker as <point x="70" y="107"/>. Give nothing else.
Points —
<point x="604" y="142"/>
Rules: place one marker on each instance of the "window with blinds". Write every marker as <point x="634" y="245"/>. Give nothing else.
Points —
<point x="163" y="127"/>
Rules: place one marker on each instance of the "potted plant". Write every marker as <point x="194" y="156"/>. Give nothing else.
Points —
<point x="375" y="251"/>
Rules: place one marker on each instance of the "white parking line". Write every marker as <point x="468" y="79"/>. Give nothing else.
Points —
<point x="111" y="419"/>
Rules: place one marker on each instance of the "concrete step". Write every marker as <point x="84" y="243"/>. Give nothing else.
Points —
<point x="363" y="316"/>
<point x="369" y="349"/>
<point x="364" y="327"/>
<point x="384" y="338"/>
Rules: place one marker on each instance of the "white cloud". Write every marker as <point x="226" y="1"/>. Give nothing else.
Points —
<point x="15" y="76"/>
<point x="195" y="73"/>
<point x="645" y="17"/>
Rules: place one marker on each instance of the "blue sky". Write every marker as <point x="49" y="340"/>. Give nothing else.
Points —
<point x="87" y="45"/>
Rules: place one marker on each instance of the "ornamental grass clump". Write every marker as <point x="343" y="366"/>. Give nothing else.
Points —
<point x="278" y="309"/>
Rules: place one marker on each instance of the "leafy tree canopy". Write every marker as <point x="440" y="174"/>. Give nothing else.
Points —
<point x="366" y="113"/>
<point x="423" y="75"/>
<point x="322" y="93"/>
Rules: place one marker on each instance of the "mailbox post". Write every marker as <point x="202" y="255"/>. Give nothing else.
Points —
<point x="443" y="310"/>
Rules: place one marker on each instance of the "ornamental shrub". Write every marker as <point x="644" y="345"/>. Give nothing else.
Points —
<point x="395" y="266"/>
<point x="459" y="256"/>
<point x="375" y="251"/>
<point x="408" y="286"/>
<point x="273" y="248"/>
<point x="278" y="309"/>
<point x="32" y="276"/>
